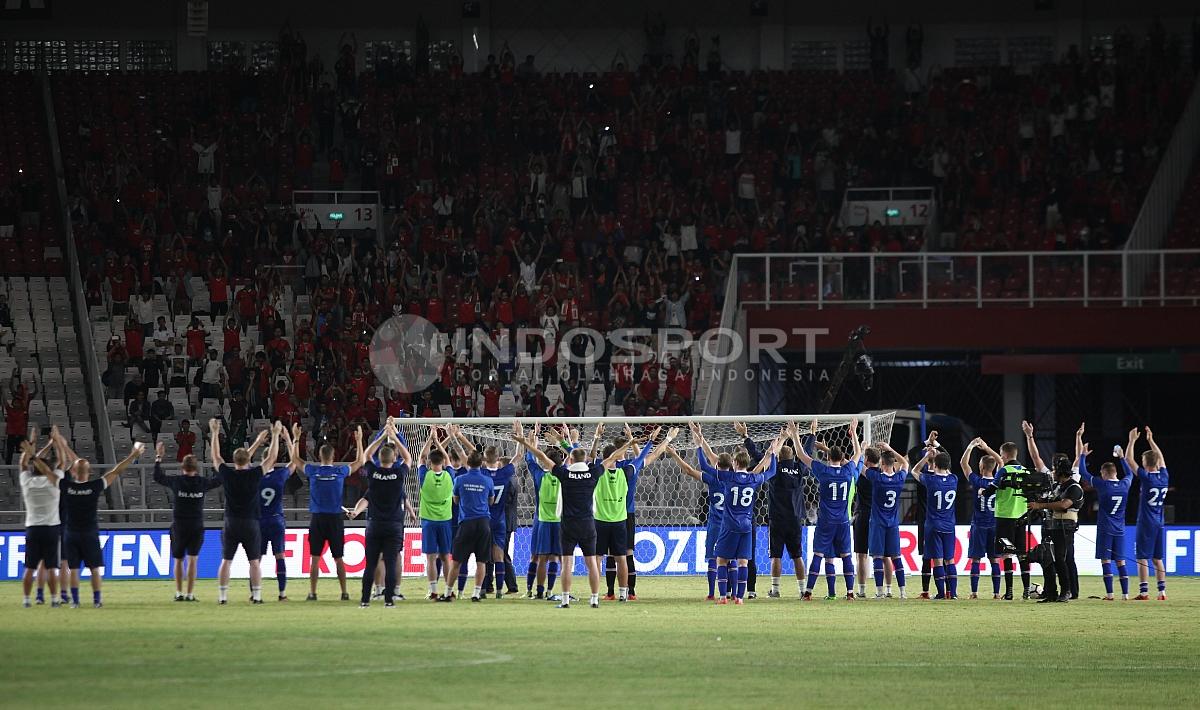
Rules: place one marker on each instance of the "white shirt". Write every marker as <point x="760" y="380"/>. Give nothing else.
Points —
<point x="204" y="159"/>
<point x="144" y="310"/>
<point x="687" y="237"/>
<point x="212" y="372"/>
<point x="41" y="498"/>
<point x="529" y="275"/>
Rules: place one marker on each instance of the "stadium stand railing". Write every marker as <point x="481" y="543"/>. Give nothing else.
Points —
<point x="980" y="279"/>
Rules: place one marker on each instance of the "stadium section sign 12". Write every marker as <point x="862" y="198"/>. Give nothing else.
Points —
<point x="146" y="554"/>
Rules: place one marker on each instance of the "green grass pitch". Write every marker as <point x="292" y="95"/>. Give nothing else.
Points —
<point x="668" y="649"/>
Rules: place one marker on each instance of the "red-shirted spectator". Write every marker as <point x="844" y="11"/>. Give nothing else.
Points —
<point x="185" y="440"/>
<point x="218" y="293"/>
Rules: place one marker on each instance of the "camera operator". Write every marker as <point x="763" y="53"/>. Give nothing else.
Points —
<point x="1059" y="527"/>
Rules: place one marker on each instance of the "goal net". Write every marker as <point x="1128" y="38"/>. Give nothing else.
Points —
<point x="671" y="508"/>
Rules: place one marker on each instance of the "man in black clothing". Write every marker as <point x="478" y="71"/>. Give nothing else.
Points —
<point x="785" y="512"/>
<point x="578" y="527"/>
<point x="1059" y="527"/>
<point x="161" y="410"/>
<point x="81" y="496"/>
<point x="240" y="483"/>
<point x="386" y="498"/>
<point x="187" y="524"/>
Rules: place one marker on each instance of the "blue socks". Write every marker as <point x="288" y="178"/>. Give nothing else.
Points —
<point x="281" y="574"/>
<point x="974" y="576"/>
<point x="939" y="580"/>
<point x="831" y="577"/>
<point x="743" y="573"/>
<point x="1124" y="578"/>
<point x="723" y="580"/>
<point x="732" y="575"/>
<point x="1162" y="586"/>
<point x="1107" y="571"/>
<point x="462" y="578"/>
<point x="898" y="571"/>
<point x="951" y="573"/>
<point x="814" y="570"/>
<point x="712" y="576"/>
<point x="498" y="576"/>
<point x="41" y="595"/>
<point x="877" y="568"/>
<point x="995" y="567"/>
<point x="551" y="574"/>
<point x="848" y="573"/>
<point x="95" y="597"/>
<point x="75" y="594"/>
<point x="1144" y="587"/>
<point x="530" y="575"/>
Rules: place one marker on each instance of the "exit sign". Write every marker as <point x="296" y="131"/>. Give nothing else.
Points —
<point x="1129" y="363"/>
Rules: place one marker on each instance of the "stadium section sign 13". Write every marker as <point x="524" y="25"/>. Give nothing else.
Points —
<point x="146" y="554"/>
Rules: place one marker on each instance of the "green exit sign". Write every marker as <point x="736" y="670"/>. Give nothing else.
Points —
<point x="892" y="212"/>
<point x="1129" y="363"/>
<point x="337" y="216"/>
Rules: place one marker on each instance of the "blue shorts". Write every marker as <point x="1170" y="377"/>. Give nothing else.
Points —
<point x="939" y="545"/>
<point x="710" y="539"/>
<point x="1151" y="542"/>
<point x="832" y="540"/>
<point x="547" y="538"/>
<point x="884" y="540"/>
<point x="499" y="534"/>
<point x="272" y="533"/>
<point x="437" y="537"/>
<point x="1110" y="546"/>
<point x="982" y="545"/>
<point x="732" y="545"/>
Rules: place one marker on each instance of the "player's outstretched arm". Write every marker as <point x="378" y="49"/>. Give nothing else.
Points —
<point x="294" y="461"/>
<point x="964" y="463"/>
<point x="272" y="454"/>
<point x="698" y="436"/>
<point x="27" y="452"/>
<point x="134" y="452"/>
<point x="688" y="469"/>
<point x="359" y="507"/>
<point x="1034" y="455"/>
<point x="855" y="441"/>
<point x="462" y="439"/>
<point x="258" y="441"/>
<point x="802" y="452"/>
<point x="661" y="448"/>
<point x="29" y="458"/>
<point x="542" y="459"/>
<point x="1130" y="460"/>
<point x="919" y="469"/>
<point x="214" y="442"/>
<point x="1162" y="462"/>
<point x="423" y="454"/>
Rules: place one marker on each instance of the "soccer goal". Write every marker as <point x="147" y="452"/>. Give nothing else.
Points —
<point x="671" y="508"/>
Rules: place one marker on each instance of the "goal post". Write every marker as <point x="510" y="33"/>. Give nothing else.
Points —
<point x="671" y="508"/>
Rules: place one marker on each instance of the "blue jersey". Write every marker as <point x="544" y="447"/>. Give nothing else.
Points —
<point x="885" y="496"/>
<point x="473" y="488"/>
<point x="501" y="477"/>
<point x="325" y="487"/>
<point x="270" y="492"/>
<point x="637" y="463"/>
<point x="835" y="484"/>
<point x="377" y="435"/>
<point x="716" y="490"/>
<point x="740" y="490"/>
<point x="1153" y="489"/>
<point x="1111" y="497"/>
<point x="984" y="510"/>
<point x="940" y="493"/>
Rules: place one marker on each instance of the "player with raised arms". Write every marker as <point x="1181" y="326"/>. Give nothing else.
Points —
<point x="983" y="516"/>
<point x="737" y="525"/>
<point x="82" y="493"/>
<point x="941" y="491"/>
<point x="1112" y="494"/>
<point x="271" y="523"/>
<point x="40" y="494"/>
<point x="240" y="484"/>
<point x="1153" y="481"/>
<point x="473" y="492"/>
<point x="546" y="543"/>
<point x="326" y="483"/>
<point x="578" y="481"/>
<point x="435" y="495"/>
<point x="501" y="470"/>
<point x="716" y="498"/>
<point x="887" y="470"/>
<point x="644" y="457"/>
<point x="834" y="483"/>
<point x="187" y="519"/>
<point x="386" y="500"/>
<point x="785" y="505"/>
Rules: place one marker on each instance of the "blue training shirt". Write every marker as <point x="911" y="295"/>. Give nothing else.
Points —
<point x="1111" y="498"/>
<point x="637" y="463"/>
<point x="716" y="489"/>
<point x="940" y="493"/>
<point x="270" y="492"/>
<point x="834" y="486"/>
<point x="326" y="484"/>
<point x="983" y="512"/>
<point x="473" y="488"/>
<point x="885" y="496"/>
